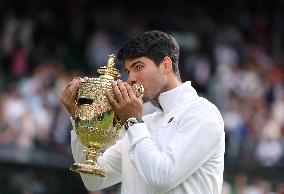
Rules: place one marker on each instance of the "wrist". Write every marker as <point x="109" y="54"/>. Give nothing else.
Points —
<point x="132" y="121"/>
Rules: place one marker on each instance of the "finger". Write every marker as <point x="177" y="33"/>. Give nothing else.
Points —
<point x="123" y="91"/>
<point x="74" y="81"/>
<point x="63" y="97"/>
<point x="130" y="91"/>
<point x="111" y="100"/>
<point x="76" y="78"/>
<point x="66" y="92"/>
<point x="69" y="95"/>
<point x="85" y="79"/>
<point x="73" y="89"/>
<point x="117" y="92"/>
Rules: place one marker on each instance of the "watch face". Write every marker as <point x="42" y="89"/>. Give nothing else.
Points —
<point x="130" y="122"/>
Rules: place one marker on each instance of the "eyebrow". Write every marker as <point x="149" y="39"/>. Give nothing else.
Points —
<point x="133" y="64"/>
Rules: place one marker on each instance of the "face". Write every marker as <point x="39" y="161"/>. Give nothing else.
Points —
<point x="143" y="71"/>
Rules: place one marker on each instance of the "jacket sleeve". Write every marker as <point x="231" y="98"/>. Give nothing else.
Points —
<point x="110" y="161"/>
<point x="193" y="143"/>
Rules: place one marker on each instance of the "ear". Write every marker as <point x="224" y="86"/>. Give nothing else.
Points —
<point x="167" y="64"/>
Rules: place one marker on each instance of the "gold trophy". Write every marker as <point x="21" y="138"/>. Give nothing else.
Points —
<point x="95" y="123"/>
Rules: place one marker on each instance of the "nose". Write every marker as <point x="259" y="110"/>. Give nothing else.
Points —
<point x="131" y="79"/>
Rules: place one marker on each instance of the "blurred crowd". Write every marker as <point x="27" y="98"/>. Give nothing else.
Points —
<point x="243" y="185"/>
<point x="31" y="114"/>
<point x="235" y="58"/>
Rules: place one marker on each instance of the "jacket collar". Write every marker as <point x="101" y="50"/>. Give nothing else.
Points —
<point x="176" y="97"/>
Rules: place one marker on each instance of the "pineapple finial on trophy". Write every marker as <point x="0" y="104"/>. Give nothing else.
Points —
<point x="109" y="71"/>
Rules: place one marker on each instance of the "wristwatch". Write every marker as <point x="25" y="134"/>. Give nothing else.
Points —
<point x="132" y="121"/>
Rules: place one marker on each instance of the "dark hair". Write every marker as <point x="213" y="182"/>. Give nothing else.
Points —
<point x="153" y="44"/>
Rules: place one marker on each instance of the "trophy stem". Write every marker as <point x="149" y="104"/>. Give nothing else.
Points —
<point x="90" y="166"/>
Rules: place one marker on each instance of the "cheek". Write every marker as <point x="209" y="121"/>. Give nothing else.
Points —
<point x="148" y="87"/>
<point x="152" y="80"/>
<point x="153" y="85"/>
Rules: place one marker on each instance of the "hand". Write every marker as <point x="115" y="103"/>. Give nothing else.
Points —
<point x="125" y="103"/>
<point x="69" y="96"/>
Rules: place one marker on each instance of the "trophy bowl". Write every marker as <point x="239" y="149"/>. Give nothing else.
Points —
<point x="96" y="125"/>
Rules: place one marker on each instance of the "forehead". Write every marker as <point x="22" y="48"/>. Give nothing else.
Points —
<point x="130" y="62"/>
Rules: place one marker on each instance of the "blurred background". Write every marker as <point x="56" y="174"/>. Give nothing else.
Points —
<point x="232" y="51"/>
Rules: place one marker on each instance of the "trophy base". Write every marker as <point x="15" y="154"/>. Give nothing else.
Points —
<point x="88" y="169"/>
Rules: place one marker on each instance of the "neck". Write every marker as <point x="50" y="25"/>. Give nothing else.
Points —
<point x="173" y="83"/>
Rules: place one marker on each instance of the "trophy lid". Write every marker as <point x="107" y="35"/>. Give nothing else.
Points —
<point x="109" y="71"/>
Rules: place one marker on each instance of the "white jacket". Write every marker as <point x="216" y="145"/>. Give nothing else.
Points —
<point x="178" y="150"/>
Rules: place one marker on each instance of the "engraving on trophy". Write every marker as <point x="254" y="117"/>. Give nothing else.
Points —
<point x="95" y="123"/>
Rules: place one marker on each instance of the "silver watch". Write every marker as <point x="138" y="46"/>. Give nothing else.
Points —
<point x="132" y="121"/>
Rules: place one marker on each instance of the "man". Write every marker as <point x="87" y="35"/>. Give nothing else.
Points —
<point x="177" y="149"/>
